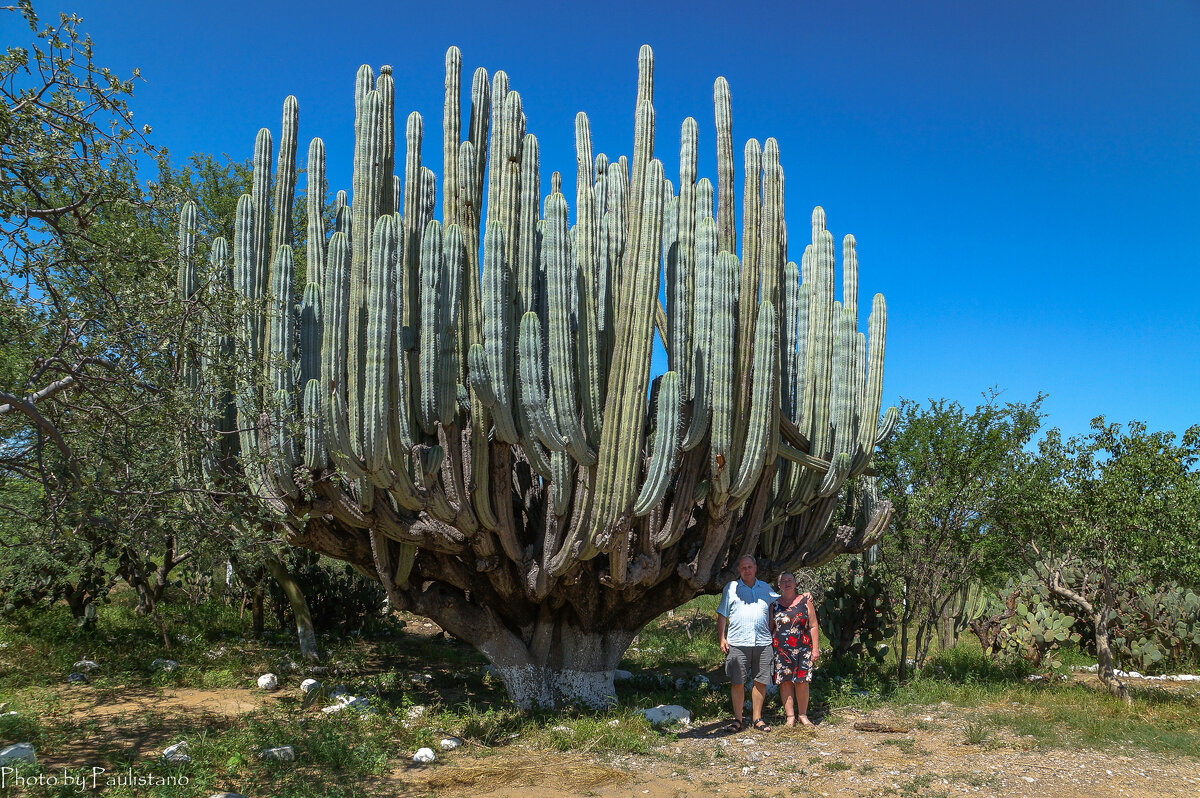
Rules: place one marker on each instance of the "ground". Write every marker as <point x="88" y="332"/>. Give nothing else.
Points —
<point x="969" y="731"/>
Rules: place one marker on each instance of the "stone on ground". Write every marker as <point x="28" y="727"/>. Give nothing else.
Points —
<point x="308" y="685"/>
<point x="424" y="756"/>
<point x="666" y="714"/>
<point x="166" y="665"/>
<point x="20" y="752"/>
<point x="284" y="753"/>
<point x="176" y="754"/>
<point x="450" y="743"/>
<point x="85" y="666"/>
<point x="268" y="681"/>
<point x="77" y="678"/>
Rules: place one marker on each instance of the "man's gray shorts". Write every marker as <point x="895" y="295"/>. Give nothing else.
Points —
<point x="745" y="660"/>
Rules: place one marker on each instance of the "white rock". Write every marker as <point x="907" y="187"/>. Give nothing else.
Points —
<point x="354" y="702"/>
<point x="308" y="685"/>
<point x="77" y="678"/>
<point x="421" y="678"/>
<point x="450" y="743"/>
<point x="226" y="795"/>
<point x="10" y="714"/>
<point x="416" y="712"/>
<point x="620" y="675"/>
<point x="561" y="729"/>
<point x="165" y="665"/>
<point x="85" y="666"/>
<point x="176" y="754"/>
<point x="667" y="713"/>
<point x="268" y="681"/>
<point x="424" y="756"/>
<point x="21" y="752"/>
<point x="329" y="710"/>
<point x="284" y="753"/>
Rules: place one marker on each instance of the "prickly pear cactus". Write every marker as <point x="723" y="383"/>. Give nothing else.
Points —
<point x="856" y="614"/>
<point x="1155" y="631"/>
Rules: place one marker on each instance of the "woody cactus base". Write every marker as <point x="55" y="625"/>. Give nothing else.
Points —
<point x="464" y="408"/>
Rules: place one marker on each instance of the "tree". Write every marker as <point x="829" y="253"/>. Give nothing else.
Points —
<point x="1103" y="509"/>
<point x="539" y="497"/>
<point x="946" y="472"/>
<point x="85" y="385"/>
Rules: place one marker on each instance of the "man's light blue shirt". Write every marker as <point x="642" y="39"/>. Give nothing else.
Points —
<point x="746" y="609"/>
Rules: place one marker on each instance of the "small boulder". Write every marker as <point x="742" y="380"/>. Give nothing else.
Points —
<point x="450" y="743"/>
<point x="621" y="676"/>
<point x="416" y="712"/>
<point x="176" y="754"/>
<point x="77" y="678"/>
<point x="268" y="681"/>
<point x="85" y="666"/>
<point x="10" y="714"/>
<point x="226" y="795"/>
<point x="424" y="756"/>
<point x="164" y="665"/>
<point x="665" y="714"/>
<point x="20" y="752"/>
<point x="421" y="678"/>
<point x="284" y="753"/>
<point x="308" y="685"/>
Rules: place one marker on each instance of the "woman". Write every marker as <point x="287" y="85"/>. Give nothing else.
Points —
<point x="793" y="626"/>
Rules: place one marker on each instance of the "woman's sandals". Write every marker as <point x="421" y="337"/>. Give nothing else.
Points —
<point x="761" y="725"/>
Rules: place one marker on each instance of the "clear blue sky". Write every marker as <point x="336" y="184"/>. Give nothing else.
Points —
<point x="1023" y="178"/>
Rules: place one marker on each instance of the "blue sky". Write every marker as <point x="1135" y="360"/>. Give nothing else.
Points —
<point x="1023" y="178"/>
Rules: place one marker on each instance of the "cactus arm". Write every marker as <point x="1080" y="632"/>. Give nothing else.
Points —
<point x="432" y="312"/>
<point x="316" y="456"/>
<point x="666" y="440"/>
<point x="450" y="299"/>
<point x="560" y="274"/>
<point x="333" y="357"/>
<point x="451" y="130"/>
<point x="762" y="403"/>
<point x="721" y="376"/>
<point x="533" y="395"/>
<point x="381" y="332"/>
<point x="368" y="182"/>
<point x="497" y="332"/>
<point x="722" y="109"/>
<point x="285" y="176"/>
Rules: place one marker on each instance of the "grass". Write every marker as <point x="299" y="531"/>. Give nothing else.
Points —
<point x="348" y="755"/>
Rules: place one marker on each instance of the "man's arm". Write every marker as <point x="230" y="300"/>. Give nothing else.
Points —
<point x="721" y="641"/>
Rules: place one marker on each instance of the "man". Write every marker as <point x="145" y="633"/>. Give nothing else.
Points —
<point x="745" y="640"/>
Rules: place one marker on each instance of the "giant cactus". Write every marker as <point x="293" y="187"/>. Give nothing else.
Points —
<point x="466" y="413"/>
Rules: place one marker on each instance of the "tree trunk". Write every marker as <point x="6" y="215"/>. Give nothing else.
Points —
<point x="256" y="610"/>
<point x="1100" y="613"/>
<point x="573" y="667"/>
<point x="305" y="631"/>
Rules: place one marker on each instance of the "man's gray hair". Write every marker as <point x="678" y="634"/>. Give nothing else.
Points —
<point x="745" y="557"/>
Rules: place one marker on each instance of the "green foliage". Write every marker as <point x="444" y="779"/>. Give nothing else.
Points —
<point x="856" y="613"/>
<point x="947" y="470"/>
<point x="340" y="599"/>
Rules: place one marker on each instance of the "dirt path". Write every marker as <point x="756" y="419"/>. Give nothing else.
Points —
<point x="930" y="760"/>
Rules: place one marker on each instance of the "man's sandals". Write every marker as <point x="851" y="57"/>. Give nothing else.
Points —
<point x="761" y="725"/>
<point x="737" y="724"/>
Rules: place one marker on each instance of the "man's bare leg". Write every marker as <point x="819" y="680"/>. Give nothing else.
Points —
<point x="758" y="695"/>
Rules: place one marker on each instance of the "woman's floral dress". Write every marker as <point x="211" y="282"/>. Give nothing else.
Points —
<point x="792" y="642"/>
